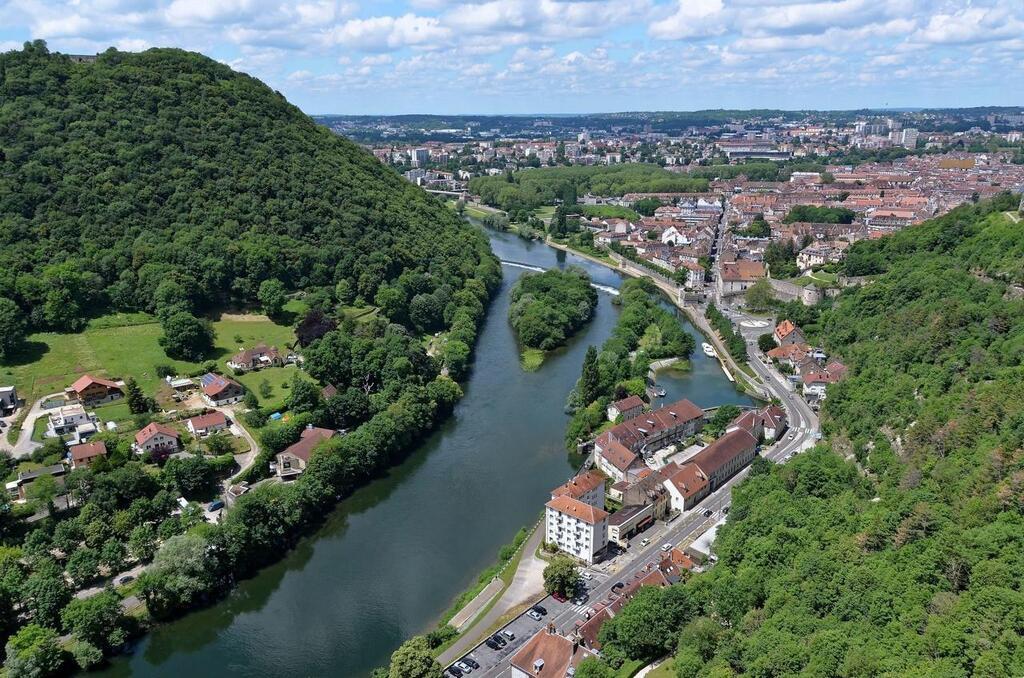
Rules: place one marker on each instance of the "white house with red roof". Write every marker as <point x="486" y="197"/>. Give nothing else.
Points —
<point x="208" y="423"/>
<point x="578" y="529"/>
<point x="158" y="439"/>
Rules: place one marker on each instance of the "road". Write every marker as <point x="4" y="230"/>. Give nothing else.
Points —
<point x="25" y="445"/>
<point x="631" y="564"/>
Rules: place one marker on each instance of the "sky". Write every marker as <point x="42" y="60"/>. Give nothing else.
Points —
<point x="569" y="56"/>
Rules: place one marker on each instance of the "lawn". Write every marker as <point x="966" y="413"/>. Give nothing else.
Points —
<point x="665" y="670"/>
<point x="121" y="346"/>
<point x="545" y="213"/>
<point x="279" y="379"/>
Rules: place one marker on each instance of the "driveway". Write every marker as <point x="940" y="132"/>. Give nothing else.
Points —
<point x="25" y="445"/>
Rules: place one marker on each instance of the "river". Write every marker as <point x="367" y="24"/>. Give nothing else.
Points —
<point x="392" y="557"/>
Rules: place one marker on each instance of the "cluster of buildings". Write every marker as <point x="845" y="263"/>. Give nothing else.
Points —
<point x="628" y="471"/>
<point x="808" y="367"/>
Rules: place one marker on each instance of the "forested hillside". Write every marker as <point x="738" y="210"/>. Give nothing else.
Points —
<point x="165" y="180"/>
<point x="897" y="546"/>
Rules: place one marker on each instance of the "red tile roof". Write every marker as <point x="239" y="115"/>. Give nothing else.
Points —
<point x="205" y="421"/>
<point x="579" y="485"/>
<point x="615" y="452"/>
<point x="635" y="432"/>
<point x="689" y="479"/>
<point x="785" y="328"/>
<point x="577" y="509"/>
<point x="87" y="380"/>
<point x="311" y="437"/>
<point x="628" y="403"/>
<point x="87" y="450"/>
<point x="548" y="654"/>
<point x="154" y="428"/>
<point x="723" y="450"/>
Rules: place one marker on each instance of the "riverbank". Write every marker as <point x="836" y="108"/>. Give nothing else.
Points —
<point x="733" y="369"/>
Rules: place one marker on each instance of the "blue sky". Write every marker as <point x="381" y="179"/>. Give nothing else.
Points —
<point x="568" y="56"/>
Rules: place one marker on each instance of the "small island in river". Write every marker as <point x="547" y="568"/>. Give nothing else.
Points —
<point x="547" y="309"/>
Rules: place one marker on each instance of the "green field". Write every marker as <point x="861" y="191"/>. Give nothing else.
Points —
<point x="122" y="345"/>
<point x="545" y="213"/>
<point x="531" y="359"/>
<point x="279" y="379"/>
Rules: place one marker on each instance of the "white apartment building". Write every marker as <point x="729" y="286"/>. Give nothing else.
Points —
<point x="578" y="529"/>
<point x="71" y="420"/>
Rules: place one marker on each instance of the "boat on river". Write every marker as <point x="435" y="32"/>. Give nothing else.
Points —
<point x="709" y="350"/>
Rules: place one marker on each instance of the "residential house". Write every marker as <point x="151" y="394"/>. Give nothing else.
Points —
<point x="90" y="390"/>
<point x="787" y="333"/>
<point x="158" y="439"/>
<point x="548" y="654"/>
<point x="687" y="485"/>
<point x="720" y="460"/>
<point x="578" y="529"/>
<point x="790" y="354"/>
<point x="8" y="400"/>
<point x="83" y="455"/>
<point x="18" y="489"/>
<point x="71" y="420"/>
<point x="219" y="390"/>
<point x="773" y="422"/>
<point x="256" y="358"/>
<point x="587" y="487"/>
<point x="208" y="423"/>
<point x="615" y="459"/>
<point x="736" y="276"/>
<point x="695" y="275"/>
<point x="627" y="408"/>
<point x="293" y="460"/>
<point x="816" y="381"/>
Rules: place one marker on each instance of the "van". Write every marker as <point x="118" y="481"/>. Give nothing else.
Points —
<point x="586" y="575"/>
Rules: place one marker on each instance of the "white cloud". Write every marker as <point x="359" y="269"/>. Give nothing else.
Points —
<point x="390" y="33"/>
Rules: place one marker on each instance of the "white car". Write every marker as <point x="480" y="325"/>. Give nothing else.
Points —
<point x="463" y="666"/>
<point x="666" y="547"/>
<point x="645" y="541"/>
<point x="586" y="575"/>
<point x="533" y="615"/>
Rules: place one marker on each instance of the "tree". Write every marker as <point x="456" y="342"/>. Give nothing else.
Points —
<point x="142" y="542"/>
<point x="98" y="620"/>
<point x="590" y="378"/>
<point x="218" y="444"/>
<point x="83" y="566"/>
<point x="194" y="476"/>
<point x="43" y="490"/>
<point x="592" y="667"/>
<point x="766" y="342"/>
<point x="561" y="576"/>
<point x="12" y="327"/>
<point x="182" y="574"/>
<point x="33" y="652"/>
<point x="186" y="337"/>
<point x="721" y="419"/>
<point x="86" y="655"/>
<point x="413" y="659"/>
<point x="46" y="593"/>
<point x="272" y="297"/>
<point x="759" y="296"/>
<point x="137" y="401"/>
<point x="303" y="396"/>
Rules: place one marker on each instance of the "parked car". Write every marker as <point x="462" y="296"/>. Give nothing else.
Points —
<point x="618" y="585"/>
<point x="491" y="644"/>
<point x="215" y="505"/>
<point x="540" y="609"/>
<point x="454" y="670"/>
<point x="532" y="614"/>
<point x="508" y="634"/>
<point x="463" y="666"/>
<point x="558" y="596"/>
<point x="499" y="640"/>
<point x="127" y="579"/>
<point x="586" y="575"/>
<point x="645" y="541"/>
<point x="472" y="662"/>
<point x="707" y="513"/>
<point x="725" y="510"/>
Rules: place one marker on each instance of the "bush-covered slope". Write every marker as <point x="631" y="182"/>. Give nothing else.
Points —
<point x="162" y="166"/>
<point x="900" y="550"/>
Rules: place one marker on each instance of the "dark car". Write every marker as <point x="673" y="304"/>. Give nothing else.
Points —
<point x="725" y="510"/>
<point x="499" y="640"/>
<point x="491" y="644"/>
<point x="540" y="610"/>
<point x="558" y="596"/>
<point x="454" y="670"/>
<point x="472" y="662"/>
<point x="618" y="585"/>
<point x="707" y="513"/>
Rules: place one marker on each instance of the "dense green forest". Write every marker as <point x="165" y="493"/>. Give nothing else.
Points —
<point x="531" y="188"/>
<point x="547" y="308"/>
<point x="897" y="546"/>
<point x="166" y="182"/>
<point x="615" y="371"/>
<point x="820" y="215"/>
